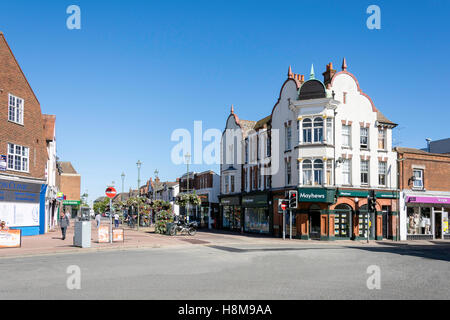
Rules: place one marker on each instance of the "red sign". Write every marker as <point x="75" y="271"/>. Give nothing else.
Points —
<point x="283" y="206"/>
<point x="111" y="192"/>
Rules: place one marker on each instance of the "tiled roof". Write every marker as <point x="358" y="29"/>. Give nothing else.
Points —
<point x="418" y="151"/>
<point x="381" y="118"/>
<point x="260" y="124"/>
<point x="66" y="167"/>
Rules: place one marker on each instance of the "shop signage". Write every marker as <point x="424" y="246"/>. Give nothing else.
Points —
<point x="14" y="191"/>
<point x="387" y="194"/>
<point x="231" y="201"/>
<point x="10" y="238"/>
<point x="316" y="195"/>
<point x="255" y="201"/>
<point x="365" y="193"/>
<point x="203" y="197"/>
<point x="434" y="200"/>
<point x="2" y="163"/>
<point x="71" y="202"/>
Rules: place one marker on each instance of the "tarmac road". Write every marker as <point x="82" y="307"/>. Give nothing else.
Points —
<point x="239" y="271"/>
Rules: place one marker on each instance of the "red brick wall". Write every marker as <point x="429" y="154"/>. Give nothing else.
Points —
<point x="31" y="133"/>
<point x="70" y="186"/>
<point x="436" y="170"/>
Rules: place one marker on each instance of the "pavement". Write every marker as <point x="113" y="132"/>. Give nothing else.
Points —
<point x="52" y="243"/>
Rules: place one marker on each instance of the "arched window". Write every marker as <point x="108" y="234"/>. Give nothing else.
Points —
<point x="307" y="131"/>
<point x="318" y="172"/>
<point x="307" y="172"/>
<point x="318" y="130"/>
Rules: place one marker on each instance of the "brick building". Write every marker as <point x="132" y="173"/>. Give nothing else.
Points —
<point x="23" y="149"/>
<point x="69" y="182"/>
<point x="424" y="183"/>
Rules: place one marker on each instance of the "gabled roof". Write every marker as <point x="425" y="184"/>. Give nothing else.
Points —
<point x="260" y="124"/>
<point x="382" y="119"/>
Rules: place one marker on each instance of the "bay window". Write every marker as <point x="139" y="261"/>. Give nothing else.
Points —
<point x="307" y="131"/>
<point x="318" y="172"/>
<point x="307" y="172"/>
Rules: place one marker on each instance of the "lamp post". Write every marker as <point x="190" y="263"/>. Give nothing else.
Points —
<point x="154" y="197"/>
<point x="121" y="198"/>
<point x="138" y="164"/>
<point x="188" y="158"/>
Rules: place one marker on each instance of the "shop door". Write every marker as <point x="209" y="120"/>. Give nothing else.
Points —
<point x="314" y="223"/>
<point x="386" y="214"/>
<point x="438" y="225"/>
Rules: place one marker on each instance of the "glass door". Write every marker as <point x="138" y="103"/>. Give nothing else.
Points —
<point x="314" y="222"/>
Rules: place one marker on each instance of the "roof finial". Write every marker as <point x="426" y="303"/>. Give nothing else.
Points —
<point x="290" y="74"/>
<point x="312" y="76"/>
<point x="232" y="109"/>
<point x="344" y="65"/>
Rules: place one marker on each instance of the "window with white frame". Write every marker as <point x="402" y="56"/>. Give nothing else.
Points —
<point x="346" y="136"/>
<point x="18" y="158"/>
<point x="226" y="184"/>
<point x="307" y="131"/>
<point x="381" y="139"/>
<point x="15" y="113"/>
<point x="329" y="172"/>
<point x="330" y="131"/>
<point x="318" y="172"/>
<point x="382" y="171"/>
<point x="318" y="130"/>
<point x="346" y="172"/>
<point x="364" y="138"/>
<point x="288" y="144"/>
<point x="418" y="178"/>
<point x="288" y="172"/>
<point x="307" y="170"/>
<point x="364" y="172"/>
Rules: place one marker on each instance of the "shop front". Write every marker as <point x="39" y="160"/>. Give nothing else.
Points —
<point x="22" y="206"/>
<point x="203" y="211"/>
<point x="424" y="216"/>
<point x="256" y="213"/>
<point x="313" y="219"/>
<point x="352" y="219"/>
<point x="72" y="207"/>
<point x="231" y="213"/>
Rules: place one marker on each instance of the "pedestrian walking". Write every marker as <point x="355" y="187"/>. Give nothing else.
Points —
<point x="98" y="220"/>
<point x="116" y="220"/>
<point x="64" y="223"/>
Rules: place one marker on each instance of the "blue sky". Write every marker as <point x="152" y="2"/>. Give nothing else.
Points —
<point x="137" y="70"/>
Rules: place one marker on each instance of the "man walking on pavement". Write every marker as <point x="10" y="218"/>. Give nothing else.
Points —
<point x="98" y="219"/>
<point x="116" y="220"/>
<point x="64" y="222"/>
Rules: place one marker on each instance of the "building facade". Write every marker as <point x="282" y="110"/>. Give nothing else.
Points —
<point x="424" y="180"/>
<point x="70" y="184"/>
<point x="325" y="139"/>
<point x="23" y="149"/>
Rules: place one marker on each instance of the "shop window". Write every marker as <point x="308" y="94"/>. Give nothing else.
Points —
<point x="15" y="113"/>
<point x="346" y="136"/>
<point x="307" y="172"/>
<point x="342" y="216"/>
<point x="418" y="221"/>
<point x="364" y="138"/>
<point x="418" y="178"/>
<point x="256" y="220"/>
<point x="364" y="172"/>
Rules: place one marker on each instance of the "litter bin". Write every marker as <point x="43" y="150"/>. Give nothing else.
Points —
<point x="82" y="236"/>
<point x="168" y="227"/>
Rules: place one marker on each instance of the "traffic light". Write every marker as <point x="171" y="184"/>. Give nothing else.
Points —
<point x="372" y="201"/>
<point x="293" y="196"/>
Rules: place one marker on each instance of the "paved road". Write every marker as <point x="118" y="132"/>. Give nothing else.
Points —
<point x="241" y="271"/>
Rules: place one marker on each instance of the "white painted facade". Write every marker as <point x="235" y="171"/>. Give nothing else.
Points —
<point x="51" y="209"/>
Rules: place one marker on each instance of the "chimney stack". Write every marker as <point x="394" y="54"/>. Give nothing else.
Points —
<point x="329" y="74"/>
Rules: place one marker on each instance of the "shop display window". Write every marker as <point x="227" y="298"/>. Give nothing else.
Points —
<point x="418" y="221"/>
<point x="445" y="226"/>
<point x="257" y="220"/>
<point x="341" y="224"/>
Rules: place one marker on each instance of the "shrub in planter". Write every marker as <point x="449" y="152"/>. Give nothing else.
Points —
<point x="163" y="217"/>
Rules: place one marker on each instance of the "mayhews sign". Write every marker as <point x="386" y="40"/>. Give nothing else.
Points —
<point x="316" y="195"/>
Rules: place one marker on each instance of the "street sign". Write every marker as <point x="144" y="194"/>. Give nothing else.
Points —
<point x="111" y="192"/>
<point x="283" y="206"/>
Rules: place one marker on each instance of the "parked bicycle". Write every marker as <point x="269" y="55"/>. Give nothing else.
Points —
<point x="183" y="228"/>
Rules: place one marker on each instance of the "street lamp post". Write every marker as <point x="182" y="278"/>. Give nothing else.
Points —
<point x="121" y="198"/>
<point x="188" y="158"/>
<point x="154" y="197"/>
<point x="138" y="164"/>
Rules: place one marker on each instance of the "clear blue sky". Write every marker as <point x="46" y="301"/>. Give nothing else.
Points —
<point x="137" y="70"/>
